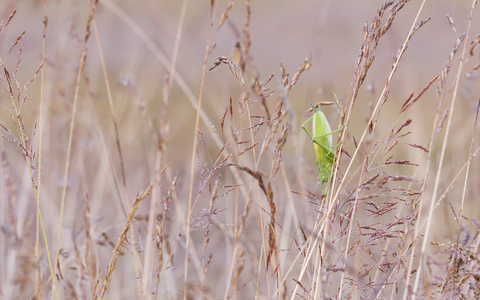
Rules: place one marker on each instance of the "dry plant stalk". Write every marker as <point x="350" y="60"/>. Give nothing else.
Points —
<point x="122" y="238"/>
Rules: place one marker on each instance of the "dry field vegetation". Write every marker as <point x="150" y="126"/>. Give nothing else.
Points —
<point x="154" y="149"/>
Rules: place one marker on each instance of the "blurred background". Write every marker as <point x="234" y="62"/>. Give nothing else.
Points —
<point x="137" y="41"/>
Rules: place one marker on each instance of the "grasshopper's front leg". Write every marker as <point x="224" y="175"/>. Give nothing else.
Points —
<point x="306" y="130"/>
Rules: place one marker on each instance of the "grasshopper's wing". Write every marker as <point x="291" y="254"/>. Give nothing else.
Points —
<point x="321" y="133"/>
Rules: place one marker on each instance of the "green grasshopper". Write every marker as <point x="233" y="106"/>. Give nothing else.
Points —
<point x="322" y="141"/>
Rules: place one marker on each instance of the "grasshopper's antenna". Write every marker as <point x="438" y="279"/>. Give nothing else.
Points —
<point x="313" y="106"/>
